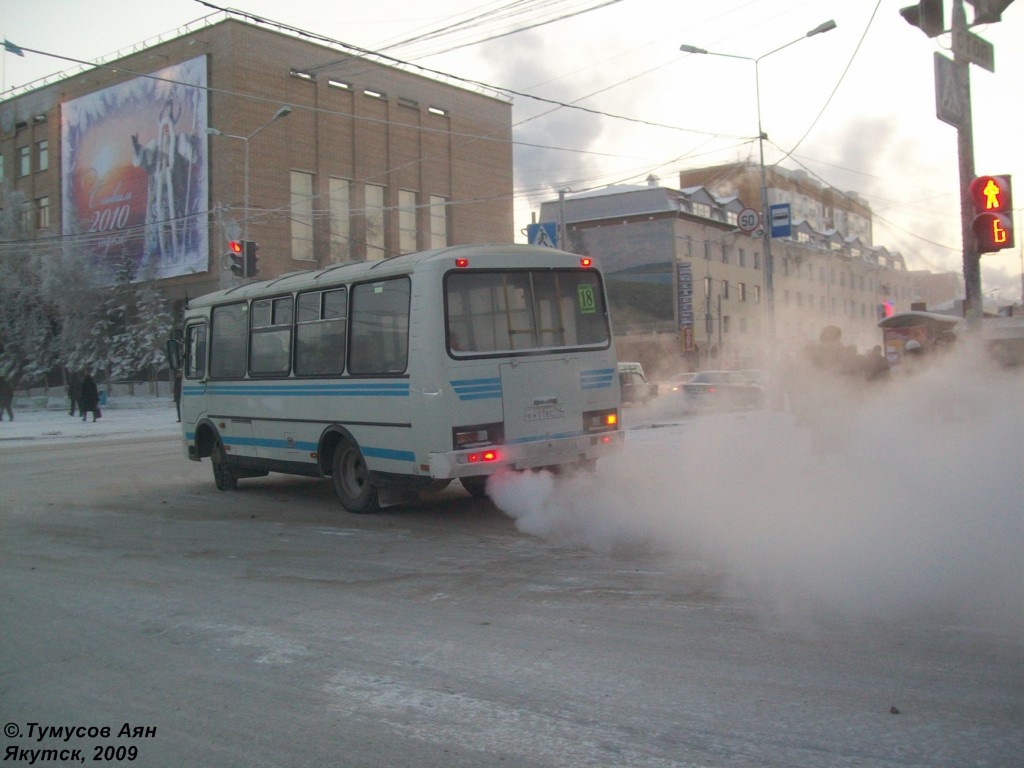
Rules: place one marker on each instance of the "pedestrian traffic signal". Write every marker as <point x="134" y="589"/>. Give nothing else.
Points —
<point x="993" y="213"/>
<point x="928" y="15"/>
<point x="237" y="257"/>
<point x="252" y="265"/>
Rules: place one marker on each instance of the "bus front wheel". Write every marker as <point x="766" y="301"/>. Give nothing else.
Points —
<point x="223" y="476"/>
<point x="351" y="479"/>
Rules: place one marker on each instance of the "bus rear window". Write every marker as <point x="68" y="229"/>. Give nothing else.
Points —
<point x="524" y="310"/>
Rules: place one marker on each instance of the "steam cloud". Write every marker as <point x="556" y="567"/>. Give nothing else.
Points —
<point x="896" y="499"/>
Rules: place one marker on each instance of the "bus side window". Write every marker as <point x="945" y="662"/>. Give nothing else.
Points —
<point x="228" y="340"/>
<point x="380" y="327"/>
<point x="270" y="347"/>
<point x="320" y="332"/>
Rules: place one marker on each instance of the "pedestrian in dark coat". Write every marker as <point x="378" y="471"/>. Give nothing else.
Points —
<point x="6" y="399"/>
<point x="74" y="392"/>
<point x="89" y="398"/>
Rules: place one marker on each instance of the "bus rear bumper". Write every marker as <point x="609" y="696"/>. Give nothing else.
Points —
<point x="530" y="455"/>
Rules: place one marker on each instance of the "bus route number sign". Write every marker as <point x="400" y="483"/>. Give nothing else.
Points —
<point x="588" y="303"/>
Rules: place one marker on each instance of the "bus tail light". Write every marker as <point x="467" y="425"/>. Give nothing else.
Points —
<point x="586" y="261"/>
<point x="482" y="457"/>
<point x="601" y="421"/>
<point x="460" y="262"/>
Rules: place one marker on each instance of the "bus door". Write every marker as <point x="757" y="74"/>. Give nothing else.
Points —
<point x="194" y="376"/>
<point x="542" y="397"/>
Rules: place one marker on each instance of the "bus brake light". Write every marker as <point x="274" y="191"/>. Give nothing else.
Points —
<point x="460" y="262"/>
<point x="483" y="456"/>
<point x="586" y="261"/>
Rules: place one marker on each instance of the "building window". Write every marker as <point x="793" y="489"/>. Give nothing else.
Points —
<point x="301" y="216"/>
<point x="340" y="200"/>
<point x="743" y="258"/>
<point x="406" y="221"/>
<point x="741" y="291"/>
<point x="725" y="324"/>
<point x="757" y="260"/>
<point x="725" y="289"/>
<point x="438" y="221"/>
<point x="24" y="161"/>
<point x="374" y="222"/>
<point x="757" y="294"/>
<point x="42" y="213"/>
<point x="42" y="155"/>
<point x="707" y="287"/>
<point x="702" y="209"/>
<point x="725" y="254"/>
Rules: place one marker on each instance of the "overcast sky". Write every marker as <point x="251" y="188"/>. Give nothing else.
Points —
<point x="855" y="106"/>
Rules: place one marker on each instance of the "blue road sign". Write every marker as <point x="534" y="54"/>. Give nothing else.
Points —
<point x="780" y="218"/>
<point x="545" y="233"/>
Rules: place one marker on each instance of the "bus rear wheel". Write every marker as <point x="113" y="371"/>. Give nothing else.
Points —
<point x="351" y="478"/>
<point x="223" y="476"/>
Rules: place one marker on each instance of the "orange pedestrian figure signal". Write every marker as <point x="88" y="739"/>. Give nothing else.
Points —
<point x="993" y="213"/>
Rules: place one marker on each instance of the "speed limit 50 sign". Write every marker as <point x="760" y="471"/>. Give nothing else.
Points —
<point x="748" y="220"/>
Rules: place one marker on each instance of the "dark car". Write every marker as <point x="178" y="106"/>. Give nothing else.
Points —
<point x="722" y="390"/>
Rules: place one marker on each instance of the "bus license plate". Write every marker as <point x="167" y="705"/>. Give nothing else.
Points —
<point x="542" y="412"/>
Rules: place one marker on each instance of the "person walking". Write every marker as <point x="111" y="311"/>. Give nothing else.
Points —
<point x="74" y="392"/>
<point x="89" y="398"/>
<point x="6" y="399"/>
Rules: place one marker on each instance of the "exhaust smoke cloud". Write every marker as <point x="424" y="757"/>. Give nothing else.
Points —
<point x="899" y="498"/>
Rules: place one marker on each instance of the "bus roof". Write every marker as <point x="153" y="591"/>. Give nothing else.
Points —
<point x="351" y="271"/>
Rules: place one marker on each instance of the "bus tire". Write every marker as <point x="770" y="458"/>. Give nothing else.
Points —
<point x="223" y="476"/>
<point x="476" y="485"/>
<point x="351" y="478"/>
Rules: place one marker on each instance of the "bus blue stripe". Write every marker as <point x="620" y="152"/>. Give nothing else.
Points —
<point x="260" y="442"/>
<point x="477" y="389"/>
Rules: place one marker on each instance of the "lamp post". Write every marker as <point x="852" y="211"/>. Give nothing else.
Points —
<point x="282" y="112"/>
<point x="766" y="238"/>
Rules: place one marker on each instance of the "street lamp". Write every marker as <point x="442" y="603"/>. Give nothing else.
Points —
<point x="766" y="237"/>
<point x="282" y="112"/>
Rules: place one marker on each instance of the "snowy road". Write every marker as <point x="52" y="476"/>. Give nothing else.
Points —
<point x="599" y="622"/>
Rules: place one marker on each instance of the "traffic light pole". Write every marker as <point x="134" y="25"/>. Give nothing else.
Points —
<point x="965" y="152"/>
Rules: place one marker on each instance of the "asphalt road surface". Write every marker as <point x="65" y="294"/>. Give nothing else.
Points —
<point x="148" y="619"/>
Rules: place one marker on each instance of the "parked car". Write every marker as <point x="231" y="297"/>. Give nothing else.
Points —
<point x="634" y="385"/>
<point x="722" y="390"/>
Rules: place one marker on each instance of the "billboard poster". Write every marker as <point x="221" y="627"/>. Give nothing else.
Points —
<point x="134" y="175"/>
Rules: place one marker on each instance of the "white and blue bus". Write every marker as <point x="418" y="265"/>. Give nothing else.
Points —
<point x="400" y="375"/>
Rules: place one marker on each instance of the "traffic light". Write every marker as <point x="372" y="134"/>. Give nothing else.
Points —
<point x="252" y="266"/>
<point x="993" y="213"/>
<point x="237" y="257"/>
<point x="988" y="11"/>
<point x="928" y="15"/>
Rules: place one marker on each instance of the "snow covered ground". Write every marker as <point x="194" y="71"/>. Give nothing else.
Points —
<point x="122" y="416"/>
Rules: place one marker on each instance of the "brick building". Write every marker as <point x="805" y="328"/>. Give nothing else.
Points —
<point x="239" y="129"/>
